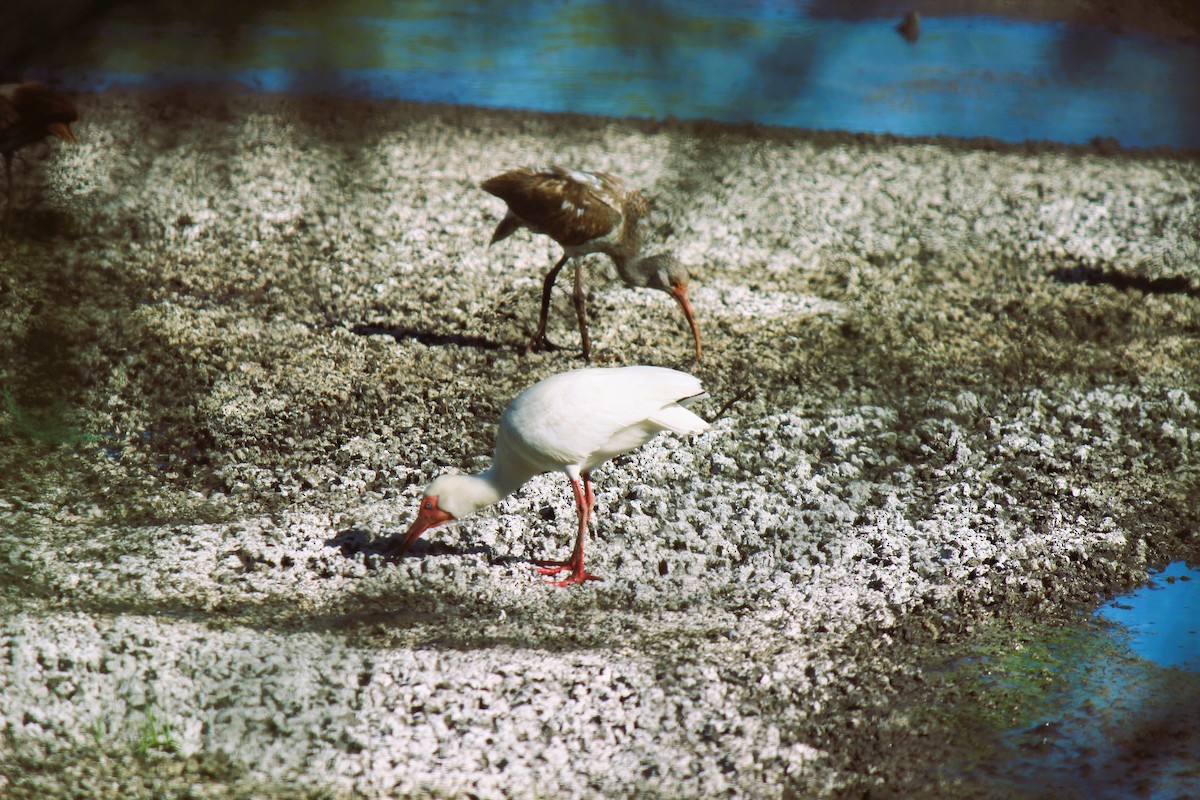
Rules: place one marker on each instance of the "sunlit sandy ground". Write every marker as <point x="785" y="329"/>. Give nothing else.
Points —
<point x="240" y="333"/>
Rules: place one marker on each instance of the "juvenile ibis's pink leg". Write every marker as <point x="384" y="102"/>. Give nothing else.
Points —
<point x="540" y="342"/>
<point x="584" y="502"/>
<point x="581" y="311"/>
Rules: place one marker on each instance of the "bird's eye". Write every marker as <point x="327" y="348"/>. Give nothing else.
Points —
<point x="428" y="504"/>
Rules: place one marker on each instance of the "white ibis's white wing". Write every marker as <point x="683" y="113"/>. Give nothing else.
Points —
<point x="585" y="417"/>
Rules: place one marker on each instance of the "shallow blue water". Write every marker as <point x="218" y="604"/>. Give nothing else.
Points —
<point x="765" y="62"/>
<point x="1109" y="710"/>
<point x="1163" y="617"/>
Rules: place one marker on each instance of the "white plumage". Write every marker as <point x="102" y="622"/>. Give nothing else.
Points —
<point x="571" y="422"/>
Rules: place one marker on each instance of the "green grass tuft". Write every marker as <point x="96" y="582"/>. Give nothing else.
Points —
<point x="155" y="736"/>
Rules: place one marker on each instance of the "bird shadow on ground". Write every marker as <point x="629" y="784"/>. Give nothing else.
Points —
<point x="353" y="541"/>
<point x="1094" y="276"/>
<point x="35" y="223"/>
<point x="426" y="337"/>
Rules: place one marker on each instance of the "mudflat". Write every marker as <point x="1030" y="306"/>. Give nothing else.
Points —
<point x="955" y="392"/>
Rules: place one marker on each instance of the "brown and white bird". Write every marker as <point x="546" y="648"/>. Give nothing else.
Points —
<point x="29" y="112"/>
<point x="587" y="212"/>
<point x="571" y="422"/>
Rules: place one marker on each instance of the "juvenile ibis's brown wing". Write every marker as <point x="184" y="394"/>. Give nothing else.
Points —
<point x="569" y="206"/>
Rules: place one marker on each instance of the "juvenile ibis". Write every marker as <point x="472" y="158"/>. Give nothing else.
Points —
<point x="29" y="112"/>
<point x="587" y="212"/>
<point x="571" y="422"/>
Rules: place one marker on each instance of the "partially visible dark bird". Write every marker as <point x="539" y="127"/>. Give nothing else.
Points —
<point x="29" y="112"/>
<point x="587" y="212"/>
<point x="910" y="26"/>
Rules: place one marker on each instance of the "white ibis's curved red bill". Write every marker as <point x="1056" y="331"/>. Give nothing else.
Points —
<point x="428" y="516"/>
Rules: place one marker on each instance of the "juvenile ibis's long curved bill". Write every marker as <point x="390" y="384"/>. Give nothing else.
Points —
<point x="679" y="291"/>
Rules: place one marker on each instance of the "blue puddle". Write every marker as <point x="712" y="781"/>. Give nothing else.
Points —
<point x="770" y="63"/>
<point x="1162" y="619"/>
<point x="1110" y="709"/>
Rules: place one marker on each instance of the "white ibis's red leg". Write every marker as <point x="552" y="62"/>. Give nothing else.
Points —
<point x="584" y="501"/>
<point x="540" y="341"/>
<point x="587" y="490"/>
<point x="580" y="311"/>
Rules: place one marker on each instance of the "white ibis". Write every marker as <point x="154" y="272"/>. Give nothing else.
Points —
<point x="29" y="112"/>
<point x="572" y="422"/>
<point x="587" y="212"/>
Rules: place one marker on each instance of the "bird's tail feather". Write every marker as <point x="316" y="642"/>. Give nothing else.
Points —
<point x="506" y="228"/>
<point x="678" y="419"/>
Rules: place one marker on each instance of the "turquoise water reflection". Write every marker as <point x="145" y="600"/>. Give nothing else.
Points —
<point x="765" y="62"/>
